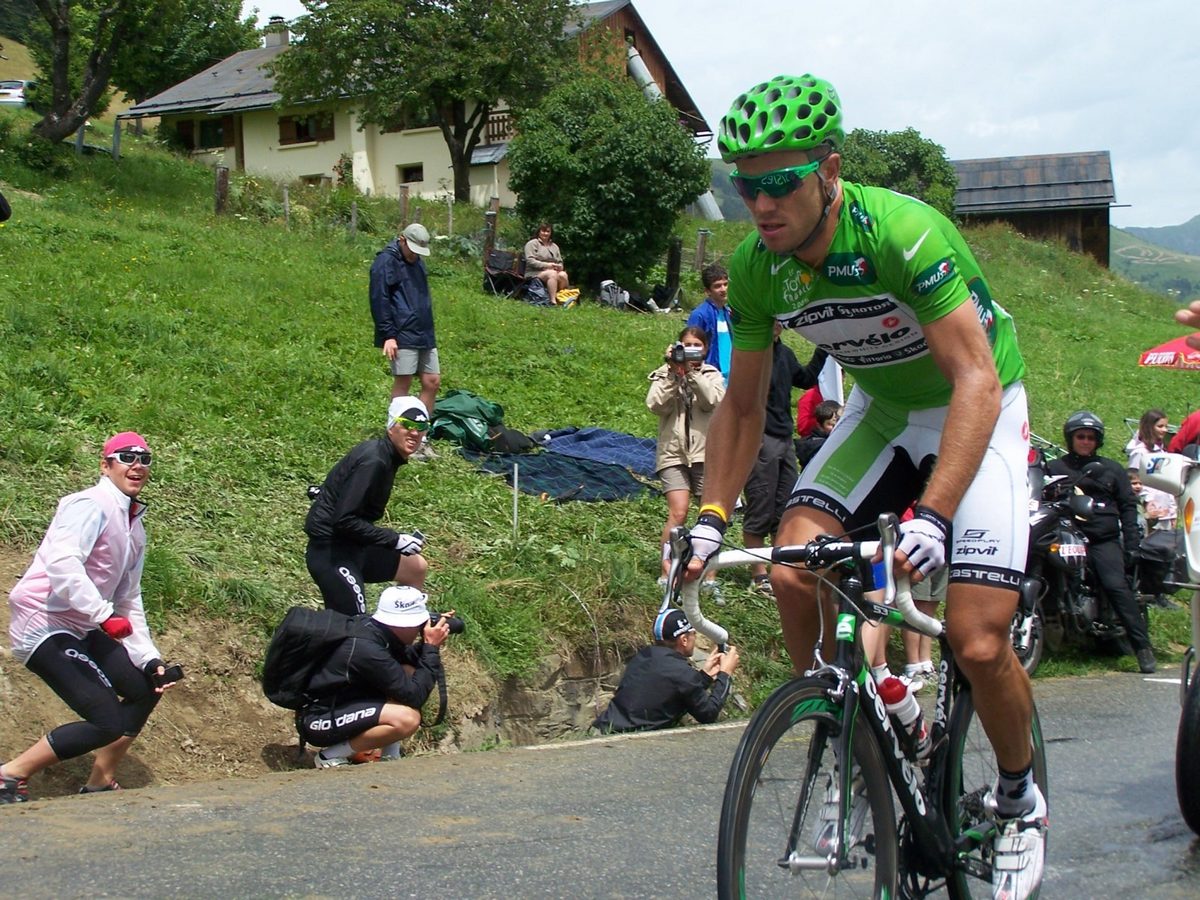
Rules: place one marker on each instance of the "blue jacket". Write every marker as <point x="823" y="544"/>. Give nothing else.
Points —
<point x="400" y="300"/>
<point x="705" y="315"/>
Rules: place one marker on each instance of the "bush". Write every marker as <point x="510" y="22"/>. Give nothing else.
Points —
<point x="611" y="170"/>
<point x="42" y="155"/>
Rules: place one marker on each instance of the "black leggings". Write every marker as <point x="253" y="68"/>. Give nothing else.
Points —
<point x="341" y="569"/>
<point x="94" y="677"/>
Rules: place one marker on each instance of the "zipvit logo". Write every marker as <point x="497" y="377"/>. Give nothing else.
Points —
<point x="976" y="542"/>
<point x="934" y="277"/>
<point x="849" y="269"/>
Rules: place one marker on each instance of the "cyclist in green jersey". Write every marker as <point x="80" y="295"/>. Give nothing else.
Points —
<point x="889" y="288"/>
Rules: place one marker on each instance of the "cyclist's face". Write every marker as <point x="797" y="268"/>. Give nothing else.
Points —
<point x="784" y="222"/>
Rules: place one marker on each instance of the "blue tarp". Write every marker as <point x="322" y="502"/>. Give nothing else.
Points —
<point x="601" y="445"/>
<point x="558" y="477"/>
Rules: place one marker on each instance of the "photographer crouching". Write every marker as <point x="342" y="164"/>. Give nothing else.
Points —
<point x="369" y="693"/>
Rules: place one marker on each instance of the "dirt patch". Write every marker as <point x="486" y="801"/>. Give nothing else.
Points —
<point x="214" y="724"/>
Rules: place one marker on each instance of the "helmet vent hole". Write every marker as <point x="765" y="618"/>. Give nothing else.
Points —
<point x="773" y="96"/>
<point x="743" y="133"/>
<point x="778" y="116"/>
<point x="793" y="92"/>
<point x="820" y="121"/>
<point x="815" y="97"/>
<point x="802" y="134"/>
<point x="760" y="122"/>
<point x="830" y="108"/>
<point x="803" y="113"/>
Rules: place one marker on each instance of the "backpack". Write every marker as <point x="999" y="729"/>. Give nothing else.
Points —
<point x="301" y="645"/>
<point x="465" y="418"/>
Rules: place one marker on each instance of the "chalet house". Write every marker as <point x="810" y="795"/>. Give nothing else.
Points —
<point x="230" y="115"/>
<point x="1058" y="196"/>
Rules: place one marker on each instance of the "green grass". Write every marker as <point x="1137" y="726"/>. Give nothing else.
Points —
<point x="242" y="349"/>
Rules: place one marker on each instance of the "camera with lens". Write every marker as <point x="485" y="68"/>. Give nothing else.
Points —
<point x="679" y="354"/>
<point x="457" y="625"/>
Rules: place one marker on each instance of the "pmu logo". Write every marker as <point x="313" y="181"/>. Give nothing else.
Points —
<point x="934" y="277"/>
<point x="849" y="269"/>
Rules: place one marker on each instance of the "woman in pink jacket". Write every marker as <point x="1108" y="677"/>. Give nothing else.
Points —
<point x="77" y="623"/>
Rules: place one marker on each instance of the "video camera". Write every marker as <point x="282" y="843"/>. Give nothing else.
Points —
<point x="679" y="354"/>
<point x="457" y="625"/>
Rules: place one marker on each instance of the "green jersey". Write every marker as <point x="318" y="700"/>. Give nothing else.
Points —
<point x="895" y="265"/>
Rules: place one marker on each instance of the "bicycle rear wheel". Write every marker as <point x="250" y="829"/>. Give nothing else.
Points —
<point x="971" y="773"/>
<point x="769" y="844"/>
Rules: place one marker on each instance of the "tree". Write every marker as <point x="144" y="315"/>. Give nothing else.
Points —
<point x="202" y="34"/>
<point x="77" y="52"/>
<point x="610" y="170"/>
<point x="414" y="62"/>
<point x="903" y="161"/>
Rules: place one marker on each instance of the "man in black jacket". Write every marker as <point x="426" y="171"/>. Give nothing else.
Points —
<point x="1112" y="531"/>
<point x="345" y="547"/>
<point x="660" y="685"/>
<point x="773" y="477"/>
<point x="370" y="692"/>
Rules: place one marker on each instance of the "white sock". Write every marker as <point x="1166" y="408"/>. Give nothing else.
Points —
<point x="881" y="672"/>
<point x="337" y="750"/>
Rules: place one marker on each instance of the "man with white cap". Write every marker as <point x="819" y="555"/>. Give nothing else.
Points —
<point x="660" y="685"/>
<point x="402" y="308"/>
<point x="346" y="549"/>
<point x="77" y="623"/>
<point x="369" y="693"/>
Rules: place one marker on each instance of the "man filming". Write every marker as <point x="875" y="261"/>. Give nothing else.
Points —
<point x="370" y="691"/>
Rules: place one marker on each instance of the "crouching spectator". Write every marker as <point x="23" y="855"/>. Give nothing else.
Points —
<point x="369" y="694"/>
<point x="660" y="684"/>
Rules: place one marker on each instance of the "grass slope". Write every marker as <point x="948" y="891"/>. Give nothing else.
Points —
<point x="242" y="349"/>
<point x="1155" y="267"/>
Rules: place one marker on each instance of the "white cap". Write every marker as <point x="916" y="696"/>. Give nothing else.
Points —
<point x="406" y="408"/>
<point x="416" y="236"/>
<point x="402" y="606"/>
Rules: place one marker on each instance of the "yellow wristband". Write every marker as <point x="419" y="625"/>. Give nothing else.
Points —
<point x="717" y="510"/>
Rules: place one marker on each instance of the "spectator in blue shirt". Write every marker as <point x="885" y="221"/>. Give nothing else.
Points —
<point x="713" y="316"/>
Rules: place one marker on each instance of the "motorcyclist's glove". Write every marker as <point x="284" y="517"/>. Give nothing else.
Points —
<point x="923" y="539"/>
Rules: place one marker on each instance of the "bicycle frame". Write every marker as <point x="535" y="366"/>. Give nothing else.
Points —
<point x="852" y="688"/>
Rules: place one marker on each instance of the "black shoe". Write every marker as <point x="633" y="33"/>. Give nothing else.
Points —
<point x="1161" y="601"/>
<point x="1145" y="659"/>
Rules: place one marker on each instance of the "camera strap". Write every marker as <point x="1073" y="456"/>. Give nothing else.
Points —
<point x="441" y="713"/>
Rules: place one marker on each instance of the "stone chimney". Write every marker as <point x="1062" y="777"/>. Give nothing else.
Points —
<point x="276" y="33"/>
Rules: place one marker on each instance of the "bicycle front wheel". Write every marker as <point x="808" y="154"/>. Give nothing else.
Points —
<point x="777" y="836"/>
<point x="970" y="773"/>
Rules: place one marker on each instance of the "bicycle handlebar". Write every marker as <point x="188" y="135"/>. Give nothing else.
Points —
<point x="897" y="592"/>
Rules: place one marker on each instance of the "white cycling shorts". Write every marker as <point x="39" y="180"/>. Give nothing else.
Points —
<point x="879" y="457"/>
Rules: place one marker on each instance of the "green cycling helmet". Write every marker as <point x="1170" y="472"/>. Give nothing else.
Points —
<point x="785" y="113"/>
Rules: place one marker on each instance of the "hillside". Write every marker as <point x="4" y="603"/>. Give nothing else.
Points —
<point x="1183" y="238"/>
<point x="242" y="349"/>
<point x="1153" y="266"/>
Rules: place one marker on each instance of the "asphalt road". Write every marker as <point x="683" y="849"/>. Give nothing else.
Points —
<point x="630" y="817"/>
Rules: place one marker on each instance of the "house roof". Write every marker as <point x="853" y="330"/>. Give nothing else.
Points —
<point x="239" y="83"/>
<point x="235" y="84"/>
<point x="1050" y="181"/>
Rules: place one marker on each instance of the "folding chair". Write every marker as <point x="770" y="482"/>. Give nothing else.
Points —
<point x="504" y="273"/>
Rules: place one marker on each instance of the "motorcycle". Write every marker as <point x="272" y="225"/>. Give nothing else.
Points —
<point x="1059" y="604"/>
<point x="1180" y="476"/>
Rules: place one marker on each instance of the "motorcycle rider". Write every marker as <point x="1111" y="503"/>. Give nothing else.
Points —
<point x="1112" y="531"/>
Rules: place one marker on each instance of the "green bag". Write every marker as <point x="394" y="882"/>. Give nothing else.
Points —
<point x="466" y="419"/>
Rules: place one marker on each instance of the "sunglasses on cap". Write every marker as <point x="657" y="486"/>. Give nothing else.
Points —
<point x="776" y="183"/>
<point x="129" y="457"/>
<point x="412" y="424"/>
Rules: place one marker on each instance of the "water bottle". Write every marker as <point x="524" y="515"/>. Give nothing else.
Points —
<point x="905" y="711"/>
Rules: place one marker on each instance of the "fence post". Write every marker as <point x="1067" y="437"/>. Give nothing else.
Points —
<point x="489" y="233"/>
<point x="221" y="189"/>
<point x="79" y="141"/>
<point x="287" y="208"/>
<point x="450" y="215"/>
<point x="353" y="218"/>
<point x="701" y="247"/>
<point x="403" y="205"/>
<point x="116" y="142"/>
<point x="674" y="259"/>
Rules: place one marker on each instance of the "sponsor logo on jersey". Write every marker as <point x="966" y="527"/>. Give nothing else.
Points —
<point x="796" y="287"/>
<point x="981" y="297"/>
<point x="975" y="543"/>
<point x="849" y="269"/>
<point x="875" y="339"/>
<point x="870" y="331"/>
<point x="929" y="280"/>
<point x="992" y="576"/>
<point x="859" y="215"/>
